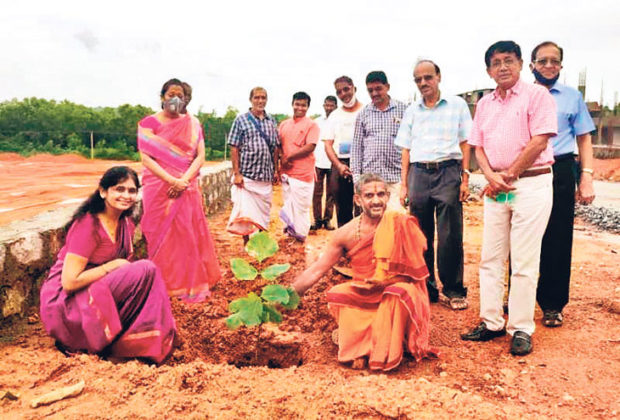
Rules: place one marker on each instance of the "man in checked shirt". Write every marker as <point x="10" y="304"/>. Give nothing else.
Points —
<point x="373" y="149"/>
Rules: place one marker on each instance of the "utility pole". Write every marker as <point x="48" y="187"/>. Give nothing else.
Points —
<point x="92" y="146"/>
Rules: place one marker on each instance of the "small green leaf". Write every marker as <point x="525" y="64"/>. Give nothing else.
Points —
<point x="271" y="314"/>
<point x="234" y="321"/>
<point x="261" y="246"/>
<point x="273" y="271"/>
<point x="275" y="293"/>
<point x="249" y="309"/>
<point x="242" y="269"/>
<point x="293" y="301"/>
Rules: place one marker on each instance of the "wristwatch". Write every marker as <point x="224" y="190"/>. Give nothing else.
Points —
<point x="466" y="171"/>
<point x="588" y="170"/>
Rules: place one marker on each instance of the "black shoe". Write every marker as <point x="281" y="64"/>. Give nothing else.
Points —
<point x="552" y="319"/>
<point x="433" y="294"/>
<point x="327" y="225"/>
<point x="521" y="344"/>
<point x="316" y="225"/>
<point x="482" y="333"/>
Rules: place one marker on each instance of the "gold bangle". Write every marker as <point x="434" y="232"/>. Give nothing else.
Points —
<point x="588" y="171"/>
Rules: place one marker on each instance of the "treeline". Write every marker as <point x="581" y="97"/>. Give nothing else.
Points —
<point x="36" y="125"/>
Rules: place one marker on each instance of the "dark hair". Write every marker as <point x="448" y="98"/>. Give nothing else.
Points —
<point x="171" y="82"/>
<point x="95" y="204"/>
<point x="502" y="47"/>
<point x="547" y="44"/>
<point x="367" y="178"/>
<point x="255" y="89"/>
<point x="331" y="98"/>
<point x="437" y="71"/>
<point x="187" y="90"/>
<point x="300" y="96"/>
<point x="345" y="79"/>
<point x="377" y="76"/>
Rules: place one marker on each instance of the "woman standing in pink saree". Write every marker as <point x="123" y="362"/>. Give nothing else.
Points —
<point x="171" y="144"/>
<point x="94" y="299"/>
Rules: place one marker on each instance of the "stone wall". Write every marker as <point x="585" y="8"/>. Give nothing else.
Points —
<point x="28" y="248"/>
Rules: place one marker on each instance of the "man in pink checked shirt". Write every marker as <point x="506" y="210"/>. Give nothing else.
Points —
<point x="510" y="133"/>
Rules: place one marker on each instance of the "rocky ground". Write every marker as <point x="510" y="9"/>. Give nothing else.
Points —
<point x="291" y="371"/>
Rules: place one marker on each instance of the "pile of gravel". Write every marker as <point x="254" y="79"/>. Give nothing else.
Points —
<point x="602" y="217"/>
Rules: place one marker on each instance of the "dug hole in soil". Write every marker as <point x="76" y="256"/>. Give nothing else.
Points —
<point x="573" y="371"/>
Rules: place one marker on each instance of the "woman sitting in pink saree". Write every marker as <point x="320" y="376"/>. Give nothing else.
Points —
<point x="171" y="144"/>
<point x="94" y="299"/>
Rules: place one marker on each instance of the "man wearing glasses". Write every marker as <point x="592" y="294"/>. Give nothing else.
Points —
<point x="510" y="133"/>
<point x="435" y="178"/>
<point x="574" y="126"/>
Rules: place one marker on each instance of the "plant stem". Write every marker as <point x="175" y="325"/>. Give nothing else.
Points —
<point x="260" y="327"/>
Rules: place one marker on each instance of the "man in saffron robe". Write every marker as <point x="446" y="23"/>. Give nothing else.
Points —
<point x="384" y="309"/>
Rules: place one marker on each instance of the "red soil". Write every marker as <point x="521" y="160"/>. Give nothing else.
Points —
<point x="573" y="371"/>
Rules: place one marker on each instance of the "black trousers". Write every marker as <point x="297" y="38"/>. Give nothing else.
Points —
<point x="434" y="193"/>
<point x="557" y="243"/>
<point x="320" y="214"/>
<point x="342" y="189"/>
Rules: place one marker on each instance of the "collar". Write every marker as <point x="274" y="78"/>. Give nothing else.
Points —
<point x="515" y="90"/>
<point x="441" y="100"/>
<point x="557" y="87"/>
<point x="265" y="114"/>
<point x="391" y="105"/>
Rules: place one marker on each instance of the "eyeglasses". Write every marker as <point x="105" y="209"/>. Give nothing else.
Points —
<point x="509" y="62"/>
<point x="426" y="78"/>
<point x="547" y="61"/>
<point x="122" y="190"/>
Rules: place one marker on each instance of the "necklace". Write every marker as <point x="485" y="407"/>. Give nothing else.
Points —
<point x="358" y="235"/>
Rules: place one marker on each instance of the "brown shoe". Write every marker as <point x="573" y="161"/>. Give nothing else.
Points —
<point x="359" y="363"/>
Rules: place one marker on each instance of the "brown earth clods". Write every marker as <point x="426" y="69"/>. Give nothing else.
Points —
<point x="291" y="371"/>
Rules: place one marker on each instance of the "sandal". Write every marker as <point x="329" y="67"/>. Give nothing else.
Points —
<point x="456" y="303"/>
<point x="552" y="319"/>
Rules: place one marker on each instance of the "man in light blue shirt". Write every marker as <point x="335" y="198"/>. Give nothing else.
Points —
<point x="435" y="178"/>
<point x="574" y="128"/>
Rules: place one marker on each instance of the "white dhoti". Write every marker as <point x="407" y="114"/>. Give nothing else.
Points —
<point x="251" y="207"/>
<point x="296" y="210"/>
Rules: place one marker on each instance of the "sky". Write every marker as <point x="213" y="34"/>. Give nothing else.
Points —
<point x="109" y="53"/>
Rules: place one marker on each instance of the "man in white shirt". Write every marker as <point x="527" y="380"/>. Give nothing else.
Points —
<point x="323" y="166"/>
<point x="338" y="138"/>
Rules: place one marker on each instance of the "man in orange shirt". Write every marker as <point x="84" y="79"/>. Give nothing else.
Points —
<point x="299" y="136"/>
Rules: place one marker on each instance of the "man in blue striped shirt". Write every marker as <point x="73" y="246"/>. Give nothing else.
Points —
<point x="435" y="177"/>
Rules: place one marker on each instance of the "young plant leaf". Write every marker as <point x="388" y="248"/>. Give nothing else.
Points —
<point x="293" y="300"/>
<point x="271" y="314"/>
<point x="234" y="321"/>
<point x="261" y="246"/>
<point x="275" y="293"/>
<point x="242" y="269"/>
<point x="274" y="270"/>
<point x="249" y="309"/>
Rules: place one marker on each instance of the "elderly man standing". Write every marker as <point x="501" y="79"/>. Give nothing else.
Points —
<point x="254" y="143"/>
<point x="338" y="137"/>
<point x="373" y="149"/>
<point x="574" y="127"/>
<point x="299" y="136"/>
<point x="435" y="178"/>
<point x="511" y="132"/>
<point x="323" y="169"/>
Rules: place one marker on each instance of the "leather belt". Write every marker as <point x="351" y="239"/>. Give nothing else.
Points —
<point x="534" y="172"/>
<point x="435" y="165"/>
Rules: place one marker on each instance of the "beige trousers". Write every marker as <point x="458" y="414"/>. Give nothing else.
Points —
<point x="515" y="226"/>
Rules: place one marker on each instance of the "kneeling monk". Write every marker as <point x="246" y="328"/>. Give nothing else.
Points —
<point x="386" y="304"/>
